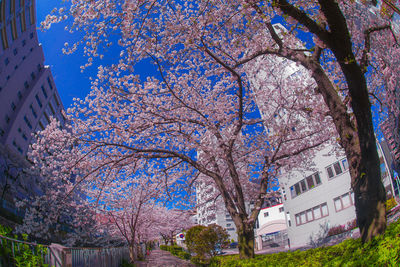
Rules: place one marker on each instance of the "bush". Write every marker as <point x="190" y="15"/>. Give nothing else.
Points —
<point x="184" y="255"/>
<point x="381" y="251"/>
<point x="390" y="204"/>
<point x="20" y="254"/>
<point x="205" y="241"/>
<point x="351" y="225"/>
<point x="176" y="251"/>
<point x="126" y="263"/>
<point x="337" y="230"/>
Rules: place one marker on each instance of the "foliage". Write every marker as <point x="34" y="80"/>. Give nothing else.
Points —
<point x="176" y="251"/>
<point x="351" y="225"/>
<point x="126" y="263"/>
<point x="204" y="241"/>
<point x="381" y="251"/>
<point x="335" y="230"/>
<point x="390" y="204"/>
<point x="164" y="247"/>
<point x="213" y="62"/>
<point x="20" y="254"/>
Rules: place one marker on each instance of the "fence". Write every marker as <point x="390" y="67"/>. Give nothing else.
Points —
<point x="60" y="256"/>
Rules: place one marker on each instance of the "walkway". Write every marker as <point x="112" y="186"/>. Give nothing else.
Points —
<point x="161" y="258"/>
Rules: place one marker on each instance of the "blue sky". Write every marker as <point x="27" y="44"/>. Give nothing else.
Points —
<point x="66" y="71"/>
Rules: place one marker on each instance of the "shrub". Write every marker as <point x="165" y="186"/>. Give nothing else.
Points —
<point x="20" y="254"/>
<point x="335" y="230"/>
<point x="164" y="247"/>
<point x="381" y="251"/>
<point x="184" y="255"/>
<point x="126" y="263"/>
<point x="204" y="241"/>
<point x="390" y="204"/>
<point x="351" y="225"/>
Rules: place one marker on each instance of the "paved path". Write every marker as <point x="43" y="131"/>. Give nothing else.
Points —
<point x="161" y="258"/>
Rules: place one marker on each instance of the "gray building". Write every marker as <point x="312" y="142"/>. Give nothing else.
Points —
<point x="28" y="99"/>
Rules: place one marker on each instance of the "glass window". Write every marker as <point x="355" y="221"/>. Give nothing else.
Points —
<point x="310" y="215"/>
<point x="310" y="182"/>
<point x="338" y="204"/>
<point x="317" y="178"/>
<point x="38" y="100"/>
<point x="292" y="192"/>
<point x="297" y="188"/>
<point x="27" y="122"/>
<point x="44" y="91"/>
<point x="317" y="212"/>
<point x="337" y="167"/>
<point x="330" y="172"/>
<point x="298" y="222"/>
<point x="346" y="200"/>
<point x="33" y="111"/>
<point x="303" y="217"/>
<point x="324" y="209"/>
<point x="345" y="164"/>
<point x="50" y="84"/>
<point x="303" y="186"/>
<point x="266" y="214"/>
<point x="281" y="209"/>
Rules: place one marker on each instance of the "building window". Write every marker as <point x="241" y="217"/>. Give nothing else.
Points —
<point x="33" y="76"/>
<point x="13" y="106"/>
<point x="7" y="118"/>
<point x="337" y="168"/>
<point x="23" y="42"/>
<point x="231" y="229"/>
<point x="49" y="82"/>
<point x="6" y="61"/>
<point x="44" y="91"/>
<point x="306" y="184"/>
<point x="312" y="214"/>
<point x="38" y="100"/>
<point x="28" y="123"/>
<point x="266" y="214"/>
<point x="26" y="84"/>
<point x="31" y="35"/>
<point x="33" y="111"/>
<point x="15" y="51"/>
<point x="19" y="95"/>
<point x="281" y="209"/>
<point x="228" y="224"/>
<point x="344" y="201"/>
<point x="24" y="136"/>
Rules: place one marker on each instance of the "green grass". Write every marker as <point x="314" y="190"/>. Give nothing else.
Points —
<point x="381" y="251"/>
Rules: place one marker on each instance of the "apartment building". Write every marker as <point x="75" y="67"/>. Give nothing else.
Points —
<point x="28" y="99"/>
<point x="28" y="95"/>
<point x="211" y="208"/>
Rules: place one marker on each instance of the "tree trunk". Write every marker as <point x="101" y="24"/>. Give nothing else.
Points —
<point x="132" y="254"/>
<point x="245" y="234"/>
<point x="360" y="147"/>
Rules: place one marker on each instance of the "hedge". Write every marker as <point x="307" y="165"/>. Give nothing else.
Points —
<point x="381" y="251"/>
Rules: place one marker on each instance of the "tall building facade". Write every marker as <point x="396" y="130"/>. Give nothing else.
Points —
<point x="28" y="95"/>
<point x="28" y="100"/>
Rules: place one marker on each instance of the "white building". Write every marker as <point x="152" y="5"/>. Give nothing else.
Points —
<point x="211" y="209"/>
<point x="272" y="228"/>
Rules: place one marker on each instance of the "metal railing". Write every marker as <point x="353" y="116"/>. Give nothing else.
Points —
<point x="59" y="256"/>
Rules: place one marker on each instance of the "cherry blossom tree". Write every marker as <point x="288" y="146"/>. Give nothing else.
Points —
<point x="172" y="222"/>
<point x="184" y="123"/>
<point x="208" y="56"/>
